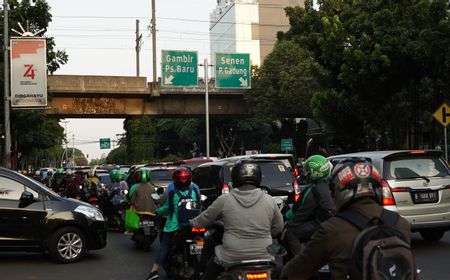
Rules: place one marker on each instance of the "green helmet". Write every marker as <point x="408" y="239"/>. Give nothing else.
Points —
<point x="144" y="175"/>
<point x="114" y="175"/>
<point x="317" y="167"/>
<point x="59" y="171"/>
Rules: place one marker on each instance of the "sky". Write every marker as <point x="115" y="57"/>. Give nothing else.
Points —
<point x="99" y="37"/>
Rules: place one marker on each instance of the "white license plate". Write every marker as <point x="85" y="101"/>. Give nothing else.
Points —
<point x="195" y="249"/>
<point x="147" y="223"/>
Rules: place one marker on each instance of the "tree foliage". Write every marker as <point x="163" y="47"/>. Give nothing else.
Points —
<point x="32" y="130"/>
<point x="386" y="66"/>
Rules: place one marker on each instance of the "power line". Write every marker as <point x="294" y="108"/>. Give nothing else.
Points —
<point x="175" y="19"/>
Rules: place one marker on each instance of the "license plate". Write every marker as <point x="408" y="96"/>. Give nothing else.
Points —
<point x="147" y="223"/>
<point x="425" y="197"/>
<point x="195" y="249"/>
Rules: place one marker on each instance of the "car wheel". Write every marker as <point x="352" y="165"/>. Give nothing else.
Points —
<point x="432" y="234"/>
<point x="67" y="245"/>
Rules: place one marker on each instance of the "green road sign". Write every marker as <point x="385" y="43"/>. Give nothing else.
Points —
<point x="179" y="69"/>
<point x="233" y="70"/>
<point x="286" y="144"/>
<point x="105" y="143"/>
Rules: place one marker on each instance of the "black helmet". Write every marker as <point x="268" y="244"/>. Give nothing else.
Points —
<point x="246" y="172"/>
<point x="352" y="180"/>
<point x="182" y="177"/>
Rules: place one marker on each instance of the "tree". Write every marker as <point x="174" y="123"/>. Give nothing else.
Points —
<point x="32" y="130"/>
<point x="140" y="139"/>
<point x="386" y="66"/>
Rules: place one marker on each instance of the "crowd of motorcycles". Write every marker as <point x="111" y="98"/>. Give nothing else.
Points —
<point x="191" y="247"/>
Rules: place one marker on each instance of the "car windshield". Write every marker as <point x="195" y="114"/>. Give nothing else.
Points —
<point x="275" y="174"/>
<point x="161" y="175"/>
<point x="408" y="168"/>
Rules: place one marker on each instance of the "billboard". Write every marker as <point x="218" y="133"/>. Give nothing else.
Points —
<point x="28" y="72"/>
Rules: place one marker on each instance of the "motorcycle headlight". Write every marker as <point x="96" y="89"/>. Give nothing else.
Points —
<point x="90" y="212"/>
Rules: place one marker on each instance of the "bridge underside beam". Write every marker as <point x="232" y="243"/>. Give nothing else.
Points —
<point x="162" y="106"/>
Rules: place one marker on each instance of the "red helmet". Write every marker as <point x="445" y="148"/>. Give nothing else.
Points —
<point x="182" y="177"/>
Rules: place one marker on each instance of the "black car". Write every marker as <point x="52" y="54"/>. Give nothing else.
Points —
<point x="213" y="177"/>
<point x="34" y="218"/>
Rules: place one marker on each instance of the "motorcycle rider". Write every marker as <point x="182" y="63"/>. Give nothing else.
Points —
<point x="141" y="199"/>
<point x="182" y="180"/>
<point x="250" y="218"/>
<point x="314" y="205"/>
<point x="355" y="184"/>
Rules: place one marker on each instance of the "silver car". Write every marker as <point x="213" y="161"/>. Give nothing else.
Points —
<point x="416" y="184"/>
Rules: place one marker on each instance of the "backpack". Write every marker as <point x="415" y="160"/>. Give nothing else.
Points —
<point x="185" y="214"/>
<point x="380" y="250"/>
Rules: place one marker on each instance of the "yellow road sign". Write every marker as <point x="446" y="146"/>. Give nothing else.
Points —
<point x="442" y="114"/>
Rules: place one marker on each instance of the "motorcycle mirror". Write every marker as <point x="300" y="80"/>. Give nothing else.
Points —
<point x="276" y="250"/>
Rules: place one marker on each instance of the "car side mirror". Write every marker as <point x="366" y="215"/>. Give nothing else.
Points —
<point x="26" y="198"/>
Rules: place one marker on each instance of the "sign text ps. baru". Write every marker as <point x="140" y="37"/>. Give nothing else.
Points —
<point x="105" y="143"/>
<point x="179" y="68"/>
<point x="233" y="70"/>
<point x="287" y="145"/>
<point x="442" y="114"/>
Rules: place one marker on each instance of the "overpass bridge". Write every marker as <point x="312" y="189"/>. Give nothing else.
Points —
<point x="76" y="96"/>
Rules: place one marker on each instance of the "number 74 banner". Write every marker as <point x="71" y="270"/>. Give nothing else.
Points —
<point x="28" y="72"/>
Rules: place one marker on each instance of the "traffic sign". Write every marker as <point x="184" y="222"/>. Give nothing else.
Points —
<point x="442" y="114"/>
<point x="287" y="145"/>
<point x="105" y="143"/>
<point x="233" y="70"/>
<point x="179" y="69"/>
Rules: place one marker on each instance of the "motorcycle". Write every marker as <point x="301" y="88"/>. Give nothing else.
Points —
<point x="147" y="231"/>
<point x="113" y="207"/>
<point x="185" y="256"/>
<point x="184" y="261"/>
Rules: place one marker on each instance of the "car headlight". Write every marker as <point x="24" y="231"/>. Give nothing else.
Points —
<point x="90" y="212"/>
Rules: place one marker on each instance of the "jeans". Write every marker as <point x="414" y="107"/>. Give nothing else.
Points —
<point x="164" y="246"/>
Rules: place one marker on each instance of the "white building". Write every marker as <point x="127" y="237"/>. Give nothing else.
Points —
<point x="248" y="26"/>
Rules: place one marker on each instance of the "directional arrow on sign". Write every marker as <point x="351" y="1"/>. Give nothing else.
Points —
<point x="243" y="82"/>
<point x="168" y="80"/>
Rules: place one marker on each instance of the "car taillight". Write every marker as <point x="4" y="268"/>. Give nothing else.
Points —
<point x="447" y="187"/>
<point x="388" y="198"/>
<point x="225" y="188"/>
<point x="417" y="152"/>
<point x="296" y="187"/>
<point x="198" y="229"/>
<point x="259" y="275"/>
<point x="296" y="173"/>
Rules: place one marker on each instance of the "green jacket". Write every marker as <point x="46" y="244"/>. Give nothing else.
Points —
<point x="172" y="220"/>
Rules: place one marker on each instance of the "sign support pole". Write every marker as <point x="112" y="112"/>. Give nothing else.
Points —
<point x="205" y="64"/>
<point x="445" y="144"/>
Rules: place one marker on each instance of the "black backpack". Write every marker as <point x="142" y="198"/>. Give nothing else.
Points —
<point x="380" y="250"/>
<point x="187" y="213"/>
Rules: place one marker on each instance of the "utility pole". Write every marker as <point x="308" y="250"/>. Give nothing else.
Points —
<point x="73" y="149"/>
<point x="138" y="47"/>
<point x="6" y="98"/>
<point x="154" y="41"/>
<point x="65" y="140"/>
